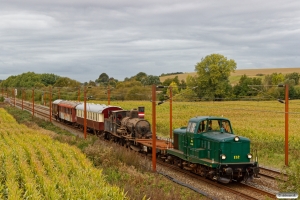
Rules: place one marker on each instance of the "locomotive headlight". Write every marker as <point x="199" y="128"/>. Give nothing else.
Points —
<point x="223" y="156"/>
<point x="236" y="138"/>
<point x="249" y="155"/>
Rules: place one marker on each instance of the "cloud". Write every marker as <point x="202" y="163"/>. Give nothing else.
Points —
<point x="82" y="39"/>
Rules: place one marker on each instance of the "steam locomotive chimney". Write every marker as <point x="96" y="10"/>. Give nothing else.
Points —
<point x="133" y="113"/>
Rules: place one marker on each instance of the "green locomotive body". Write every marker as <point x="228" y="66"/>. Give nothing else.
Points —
<point x="208" y="146"/>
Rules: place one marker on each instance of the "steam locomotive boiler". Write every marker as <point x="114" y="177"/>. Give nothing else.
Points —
<point x="126" y="126"/>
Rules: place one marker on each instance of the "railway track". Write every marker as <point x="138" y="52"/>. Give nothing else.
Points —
<point x="244" y="191"/>
<point x="273" y="174"/>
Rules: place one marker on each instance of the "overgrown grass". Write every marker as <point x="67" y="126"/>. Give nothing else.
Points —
<point x="121" y="167"/>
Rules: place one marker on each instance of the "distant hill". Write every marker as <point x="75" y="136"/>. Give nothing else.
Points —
<point x="235" y="77"/>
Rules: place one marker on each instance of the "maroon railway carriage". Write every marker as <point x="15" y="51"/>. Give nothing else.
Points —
<point x="96" y="113"/>
<point x="67" y="111"/>
<point x="55" y="109"/>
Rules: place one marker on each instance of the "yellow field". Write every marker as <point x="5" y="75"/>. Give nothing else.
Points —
<point x="239" y="72"/>
<point x="34" y="166"/>
<point x="261" y="121"/>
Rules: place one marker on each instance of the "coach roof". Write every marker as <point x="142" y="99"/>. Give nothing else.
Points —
<point x="68" y="104"/>
<point x="97" y="108"/>
<point x="57" y="101"/>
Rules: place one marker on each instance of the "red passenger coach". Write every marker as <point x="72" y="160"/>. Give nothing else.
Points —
<point x="67" y="111"/>
<point x="96" y="113"/>
<point x="55" y="109"/>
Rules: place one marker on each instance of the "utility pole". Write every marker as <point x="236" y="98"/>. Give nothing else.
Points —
<point x="32" y="103"/>
<point x="85" y="116"/>
<point x="154" y="128"/>
<point x="170" y="88"/>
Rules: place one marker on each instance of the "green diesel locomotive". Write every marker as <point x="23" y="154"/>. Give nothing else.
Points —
<point x="209" y="147"/>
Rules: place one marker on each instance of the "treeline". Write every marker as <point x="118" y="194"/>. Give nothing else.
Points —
<point x="211" y="83"/>
<point x="33" y="80"/>
<point x="168" y="74"/>
<point x="134" y="88"/>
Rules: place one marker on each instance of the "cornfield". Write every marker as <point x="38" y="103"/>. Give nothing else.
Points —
<point x="34" y="166"/>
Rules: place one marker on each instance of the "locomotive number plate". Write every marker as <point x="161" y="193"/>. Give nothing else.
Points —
<point x="236" y="157"/>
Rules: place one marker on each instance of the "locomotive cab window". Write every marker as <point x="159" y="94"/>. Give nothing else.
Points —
<point x="226" y="126"/>
<point x="202" y="126"/>
<point x="191" y="127"/>
<point x="213" y="125"/>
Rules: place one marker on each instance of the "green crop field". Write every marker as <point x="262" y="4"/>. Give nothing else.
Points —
<point x="261" y="121"/>
<point x="34" y="166"/>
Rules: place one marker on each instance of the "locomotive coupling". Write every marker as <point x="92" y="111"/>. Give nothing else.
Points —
<point x="255" y="172"/>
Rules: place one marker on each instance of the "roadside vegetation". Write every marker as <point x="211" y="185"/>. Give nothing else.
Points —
<point x="121" y="168"/>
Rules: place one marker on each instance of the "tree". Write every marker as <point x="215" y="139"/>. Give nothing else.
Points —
<point x="140" y="76"/>
<point x="273" y="79"/>
<point x="66" y="82"/>
<point x="295" y="76"/>
<point x="103" y="78"/>
<point x="186" y="95"/>
<point x="243" y="87"/>
<point x="112" y="82"/>
<point x="138" y="93"/>
<point x="277" y="78"/>
<point x="213" y="76"/>
<point x="49" y="79"/>
<point x="91" y="83"/>
<point x="151" y="80"/>
<point x="174" y="89"/>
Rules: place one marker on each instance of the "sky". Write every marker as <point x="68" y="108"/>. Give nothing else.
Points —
<point x="82" y="39"/>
